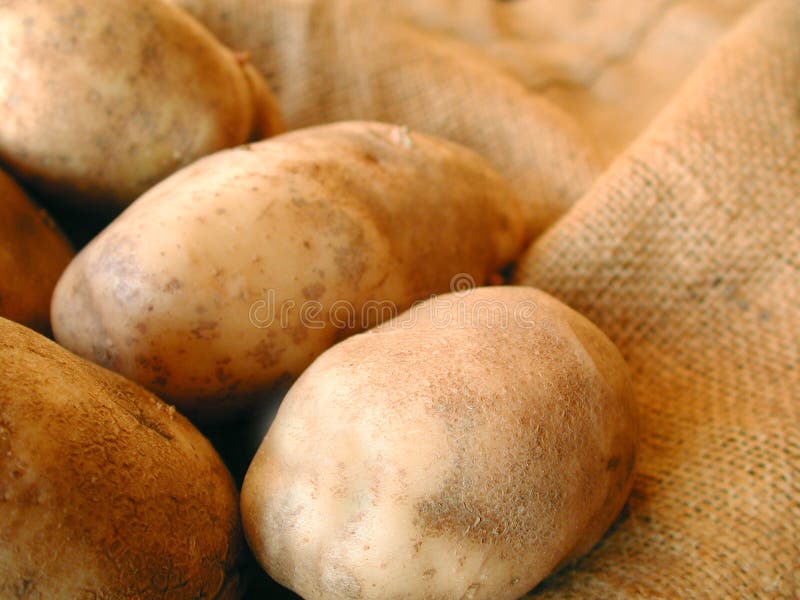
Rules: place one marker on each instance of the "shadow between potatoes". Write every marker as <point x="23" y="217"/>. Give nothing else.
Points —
<point x="237" y="441"/>
<point x="80" y="226"/>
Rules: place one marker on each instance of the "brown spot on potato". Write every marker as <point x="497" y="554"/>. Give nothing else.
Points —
<point x="206" y="330"/>
<point x="223" y="376"/>
<point x="613" y="463"/>
<point x="267" y="352"/>
<point x="156" y="366"/>
<point x="172" y="286"/>
<point x="313" y="291"/>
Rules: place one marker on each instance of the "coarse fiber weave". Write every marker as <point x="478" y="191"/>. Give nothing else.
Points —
<point x="687" y="253"/>
<point x="679" y="198"/>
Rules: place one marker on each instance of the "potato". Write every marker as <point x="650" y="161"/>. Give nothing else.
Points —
<point x="105" y="491"/>
<point x="33" y="254"/>
<point x="233" y="275"/>
<point x="463" y="450"/>
<point x="103" y="98"/>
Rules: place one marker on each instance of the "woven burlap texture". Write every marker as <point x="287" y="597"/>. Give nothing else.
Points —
<point x="686" y="250"/>
<point x="611" y="64"/>
<point x="687" y="253"/>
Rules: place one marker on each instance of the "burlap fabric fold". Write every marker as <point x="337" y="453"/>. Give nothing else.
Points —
<point x="687" y="253"/>
<point x="611" y="64"/>
<point x="686" y="250"/>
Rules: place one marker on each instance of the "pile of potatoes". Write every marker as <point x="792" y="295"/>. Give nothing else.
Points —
<point x="435" y="437"/>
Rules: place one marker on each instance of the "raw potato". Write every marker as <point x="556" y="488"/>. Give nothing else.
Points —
<point x="235" y="273"/>
<point x="463" y="450"/>
<point x="101" y="99"/>
<point x="105" y="491"/>
<point x="33" y="254"/>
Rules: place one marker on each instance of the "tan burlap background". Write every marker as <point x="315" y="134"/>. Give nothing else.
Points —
<point x="612" y="64"/>
<point x="686" y="250"/>
<point x="687" y="253"/>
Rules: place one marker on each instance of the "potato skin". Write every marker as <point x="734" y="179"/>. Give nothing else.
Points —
<point x="103" y="98"/>
<point x="445" y="454"/>
<point x="105" y="491"/>
<point x="226" y="279"/>
<point x="33" y="254"/>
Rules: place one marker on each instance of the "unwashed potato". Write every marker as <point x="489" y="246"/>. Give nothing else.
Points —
<point x="33" y="254"/>
<point x="463" y="450"/>
<point x="103" y="98"/>
<point x="235" y="273"/>
<point x="105" y="491"/>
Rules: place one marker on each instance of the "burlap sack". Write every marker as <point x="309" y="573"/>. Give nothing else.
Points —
<point x="331" y="60"/>
<point x="612" y="64"/>
<point x="687" y="253"/>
